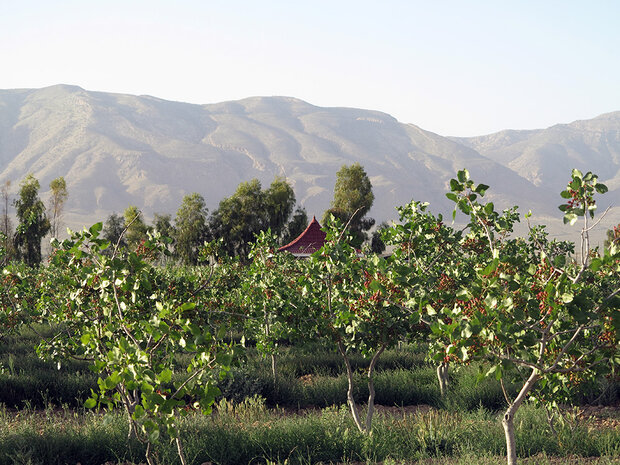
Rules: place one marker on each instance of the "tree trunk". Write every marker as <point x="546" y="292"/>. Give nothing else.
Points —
<point x="350" y="398"/>
<point x="371" y="389"/>
<point x="149" y="454"/>
<point x="274" y="369"/>
<point x="508" y="420"/>
<point x="442" y="376"/>
<point x="180" y="450"/>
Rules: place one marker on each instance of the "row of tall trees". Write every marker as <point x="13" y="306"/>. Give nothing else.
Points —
<point x="237" y="220"/>
<point x="250" y="210"/>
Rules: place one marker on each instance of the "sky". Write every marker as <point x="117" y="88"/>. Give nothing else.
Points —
<point x="460" y="68"/>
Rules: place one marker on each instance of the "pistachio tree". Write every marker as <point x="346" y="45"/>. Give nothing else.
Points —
<point x="532" y="307"/>
<point x="116" y="312"/>
<point x="270" y="293"/>
<point x="348" y="303"/>
<point x="428" y="262"/>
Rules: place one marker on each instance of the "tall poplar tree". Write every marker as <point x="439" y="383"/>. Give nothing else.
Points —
<point x="6" y="225"/>
<point x="59" y="194"/>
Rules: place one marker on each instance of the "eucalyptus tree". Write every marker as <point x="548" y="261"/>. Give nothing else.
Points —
<point x="296" y="225"/>
<point x="33" y="222"/>
<point x="250" y="210"/>
<point x="353" y="198"/>
<point x="191" y="228"/>
<point x="279" y="201"/>
<point x="134" y="226"/>
<point x="113" y="232"/>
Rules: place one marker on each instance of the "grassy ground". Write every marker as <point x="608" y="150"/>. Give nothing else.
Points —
<point x="250" y="432"/>
<point x="299" y="420"/>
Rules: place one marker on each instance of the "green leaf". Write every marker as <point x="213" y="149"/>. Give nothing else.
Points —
<point x="463" y="294"/>
<point x="95" y="229"/>
<point x="187" y="306"/>
<point x="481" y="189"/>
<point x="570" y="218"/>
<point x="165" y="376"/>
<point x="154" y="435"/>
<point x="455" y="186"/>
<point x="466" y="332"/>
<point x="452" y="196"/>
<point x="90" y="403"/>
<point x="463" y="175"/>
<point x="138" y="412"/>
<point x="567" y="297"/>
<point x="596" y="264"/>
<point x="601" y="188"/>
<point x="565" y="195"/>
<point x="491" y="267"/>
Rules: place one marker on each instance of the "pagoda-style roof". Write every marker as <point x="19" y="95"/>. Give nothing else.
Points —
<point x="308" y="242"/>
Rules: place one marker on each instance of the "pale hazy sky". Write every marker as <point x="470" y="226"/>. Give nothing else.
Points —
<point x="452" y="67"/>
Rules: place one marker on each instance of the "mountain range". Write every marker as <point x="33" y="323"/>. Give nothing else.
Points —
<point x="116" y="150"/>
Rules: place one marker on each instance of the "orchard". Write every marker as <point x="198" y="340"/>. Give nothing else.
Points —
<point x="529" y="311"/>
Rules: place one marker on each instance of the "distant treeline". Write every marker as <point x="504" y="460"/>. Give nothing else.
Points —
<point x="235" y="223"/>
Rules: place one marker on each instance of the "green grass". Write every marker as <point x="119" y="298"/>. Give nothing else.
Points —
<point x="26" y="380"/>
<point x="50" y="427"/>
<point x="251" y="432"/>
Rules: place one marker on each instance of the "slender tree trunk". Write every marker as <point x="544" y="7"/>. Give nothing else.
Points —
<point x="274" y="369"/>
<point x="508" y="420"/>
<point x="350" y="398"/>
<point x="180" y="450"/>
<point x="371" y="389"/>
<point x="442" y="376"/>
<point x="149" y="454"/>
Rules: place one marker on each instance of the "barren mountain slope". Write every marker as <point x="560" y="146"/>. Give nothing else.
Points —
<point x="115" y="150"/>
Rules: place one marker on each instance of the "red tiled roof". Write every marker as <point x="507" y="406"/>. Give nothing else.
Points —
<point x="308" y="242"/>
